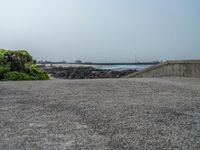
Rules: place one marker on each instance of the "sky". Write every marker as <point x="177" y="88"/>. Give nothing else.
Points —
<point x="102" y="30"/>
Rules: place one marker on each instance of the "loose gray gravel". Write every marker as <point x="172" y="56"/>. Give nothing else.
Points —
<point x="112" y="114"/>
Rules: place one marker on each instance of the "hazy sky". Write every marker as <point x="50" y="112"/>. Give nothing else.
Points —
<point x="102" y="30"/>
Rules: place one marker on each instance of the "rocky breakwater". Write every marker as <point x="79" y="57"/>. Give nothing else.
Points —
<point x="84" y="72"/>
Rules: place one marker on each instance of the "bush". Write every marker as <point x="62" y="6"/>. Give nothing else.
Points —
<point x="2" y="56"/>
<point x="19" y="65"/>
<point x="26" y="56"/>
<point x="18" y="76"/>
<point x="3" y="71"/>
<point x="35" y="71"/>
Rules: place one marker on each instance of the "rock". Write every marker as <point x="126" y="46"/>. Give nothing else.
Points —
<point x="84" y="72"/>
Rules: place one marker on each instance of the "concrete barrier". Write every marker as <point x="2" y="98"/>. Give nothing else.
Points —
<point x="183" y="68"/>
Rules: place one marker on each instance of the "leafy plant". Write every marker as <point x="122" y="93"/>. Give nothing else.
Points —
<point x="18" y="76"/>
<point x="3" y="71"/>
<point x="19" y="65"/>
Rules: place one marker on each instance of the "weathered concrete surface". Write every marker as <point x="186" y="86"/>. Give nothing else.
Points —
<point x="100" y="114"/>
<point x="188" y="68"/>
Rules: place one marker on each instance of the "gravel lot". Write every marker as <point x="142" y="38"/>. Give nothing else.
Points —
<point x="112" y="114"/>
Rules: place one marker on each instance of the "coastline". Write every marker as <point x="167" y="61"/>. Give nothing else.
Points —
<point x="83" y="72"/>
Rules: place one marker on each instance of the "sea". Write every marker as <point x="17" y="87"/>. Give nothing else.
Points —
<point x="124" y="67"/>
<point x="106" y="67"/>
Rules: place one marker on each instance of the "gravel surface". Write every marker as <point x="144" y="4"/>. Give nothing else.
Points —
<point x="109" y="114"/>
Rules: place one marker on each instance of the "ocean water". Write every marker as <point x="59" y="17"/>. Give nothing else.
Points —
<point x="124" y="67"/>
<point x="109" y="67"/>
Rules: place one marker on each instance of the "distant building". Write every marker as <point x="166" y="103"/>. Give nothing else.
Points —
<point x="78" y="62"/>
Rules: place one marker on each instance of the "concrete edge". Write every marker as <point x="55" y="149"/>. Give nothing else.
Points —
<point x="163" y="64"/>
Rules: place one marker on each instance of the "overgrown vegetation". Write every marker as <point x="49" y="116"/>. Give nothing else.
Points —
<point x="19" y="65"/>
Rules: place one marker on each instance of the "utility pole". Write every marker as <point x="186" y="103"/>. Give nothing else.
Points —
<point x="136" y="59"/>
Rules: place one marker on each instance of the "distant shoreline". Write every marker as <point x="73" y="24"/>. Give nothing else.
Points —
<point x="113" y="63"/>
<point x="102" y="67"/>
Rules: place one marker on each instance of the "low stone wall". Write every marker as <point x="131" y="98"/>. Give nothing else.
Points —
<point x="188" y="68"/>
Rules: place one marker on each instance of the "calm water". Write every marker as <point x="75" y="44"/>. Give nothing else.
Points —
<point x="124" y="67"/>
<point x="110" y="67"/>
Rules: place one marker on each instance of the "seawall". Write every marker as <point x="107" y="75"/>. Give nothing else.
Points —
<point x="183" y="68"/>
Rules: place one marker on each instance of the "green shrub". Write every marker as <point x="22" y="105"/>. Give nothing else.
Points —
<point x="19" y="65"/>
<point x="18" y="76"/>
<point x="35" y="71"/>
<point x="26" y="56"/>
<point x="2" y="56"/>
<point x="3" y="71"/>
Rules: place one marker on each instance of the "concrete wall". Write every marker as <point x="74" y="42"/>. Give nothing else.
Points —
<point x="188" y="68"/>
